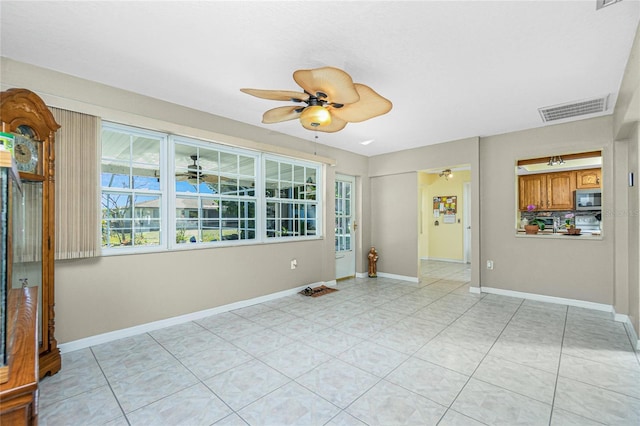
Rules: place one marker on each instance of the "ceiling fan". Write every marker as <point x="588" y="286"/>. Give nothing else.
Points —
<point x="332" y="100"/>
<point x="194" y="171"/>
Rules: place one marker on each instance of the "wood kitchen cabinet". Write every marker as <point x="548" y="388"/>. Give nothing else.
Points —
<point x="560" y="187"/>
<point x="588" y="178"/>
<point x="547" y="191"/>
<point x="533" y="191"/>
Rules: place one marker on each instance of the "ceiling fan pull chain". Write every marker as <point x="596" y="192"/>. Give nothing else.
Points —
<point x="315" y="145"/>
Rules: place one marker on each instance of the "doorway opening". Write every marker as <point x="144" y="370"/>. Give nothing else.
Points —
<point x="444" y="230"/>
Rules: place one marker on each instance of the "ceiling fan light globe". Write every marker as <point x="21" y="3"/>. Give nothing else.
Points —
<point x="314" y="116"/>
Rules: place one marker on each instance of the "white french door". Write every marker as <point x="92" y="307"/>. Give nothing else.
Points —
<point x="345" y="226"/>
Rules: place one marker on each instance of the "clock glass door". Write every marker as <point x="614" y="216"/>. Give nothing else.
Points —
<point x="27" y="236"/>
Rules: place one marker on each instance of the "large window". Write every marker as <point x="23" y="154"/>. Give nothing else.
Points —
<point x="215" y="194"/>
<point x="292" y="205"/>
<point x="131" y="191"/>
<point x="162" y="192"/>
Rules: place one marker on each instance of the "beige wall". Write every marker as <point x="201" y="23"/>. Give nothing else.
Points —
<point x="570" y="268"/>
<point x="394" y="217"/>
<point x="99" y="295"/>
<point x="626" y="133"/>
<point x="105" y="294"/>
<point x="633" y="249"/>
<point x="424" y="180"/>
<point x="384" y="169"/>
<point x="621" y="226"/>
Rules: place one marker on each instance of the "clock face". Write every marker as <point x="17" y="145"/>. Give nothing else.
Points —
<point x="26" y="153"/>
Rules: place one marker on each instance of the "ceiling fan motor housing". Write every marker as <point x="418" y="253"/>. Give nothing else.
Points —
<point x="315" y="115"/>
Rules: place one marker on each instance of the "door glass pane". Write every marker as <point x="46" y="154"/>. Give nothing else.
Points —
<point x="343" y="216"/>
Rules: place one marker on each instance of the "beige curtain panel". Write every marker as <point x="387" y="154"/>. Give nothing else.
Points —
<point x="77" y="185"/>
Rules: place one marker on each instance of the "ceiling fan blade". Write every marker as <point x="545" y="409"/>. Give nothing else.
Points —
<point x="210" y="178"/>
<point x="336" y="124"/>
<point x="336" y="83"/>
<point x="276" y="115"/>
<point x="277" y="95"/>
<point x="370" y="105"/>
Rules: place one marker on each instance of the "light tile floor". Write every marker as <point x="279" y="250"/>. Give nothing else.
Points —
<point x="377" y="352"/>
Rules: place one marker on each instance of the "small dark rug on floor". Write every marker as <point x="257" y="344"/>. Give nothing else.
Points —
<point x="318" y="291"/>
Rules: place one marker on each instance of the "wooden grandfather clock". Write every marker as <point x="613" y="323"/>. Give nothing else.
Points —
<point x="24" y="115"/>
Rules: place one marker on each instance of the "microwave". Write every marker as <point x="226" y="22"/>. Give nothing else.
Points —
<point x="588" y="199"/>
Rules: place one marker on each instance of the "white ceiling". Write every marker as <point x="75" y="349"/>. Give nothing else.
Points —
<point x="453" y="69"/>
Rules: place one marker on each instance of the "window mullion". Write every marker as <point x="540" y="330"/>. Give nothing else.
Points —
<point x="167" y="187"/>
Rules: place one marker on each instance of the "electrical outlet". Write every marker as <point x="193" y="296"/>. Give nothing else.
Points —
<point x="294" y="264"/>
<point x="489" y="264"/>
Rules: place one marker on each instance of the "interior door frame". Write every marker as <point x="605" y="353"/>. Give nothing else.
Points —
<point x="466" y="222"/>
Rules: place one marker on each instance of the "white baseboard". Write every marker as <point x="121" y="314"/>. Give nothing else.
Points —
<point x="631" y="331"/>
<point x="392" y="276"/>
<point x="443" y="259"/>
<point x="398" y="277"/>
<point x="156" y="325"/>
<point x="549" y="299"/>
<point x="633" y="335"/>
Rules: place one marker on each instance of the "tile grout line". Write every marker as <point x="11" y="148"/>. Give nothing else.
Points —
<point x="200" y="381"/>
<point x="478" y="366"/>
<point x="425" y="344"/>
<point x="381" y="379"/>
<point x="110" y="388"/>
<point x="555" y="385"/>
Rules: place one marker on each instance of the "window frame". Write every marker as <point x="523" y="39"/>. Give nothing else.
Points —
<point x="173" y="194"/>
<point x="318" y="202"/>
<point x="168" y="193"/>
<point x="130" y="130"/>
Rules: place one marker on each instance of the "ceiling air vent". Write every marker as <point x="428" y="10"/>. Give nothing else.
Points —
<point x="574" y="109"/>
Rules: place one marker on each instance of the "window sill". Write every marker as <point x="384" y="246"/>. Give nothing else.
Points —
<point x="187" y="246"/>
<point x="560" y="235"/>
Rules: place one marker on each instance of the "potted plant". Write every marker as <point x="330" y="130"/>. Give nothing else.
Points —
<point x="534" y="224"/>
<point x="571" y="228"/>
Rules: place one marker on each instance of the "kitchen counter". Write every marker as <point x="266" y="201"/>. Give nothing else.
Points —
<point x="560" y="235"/>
